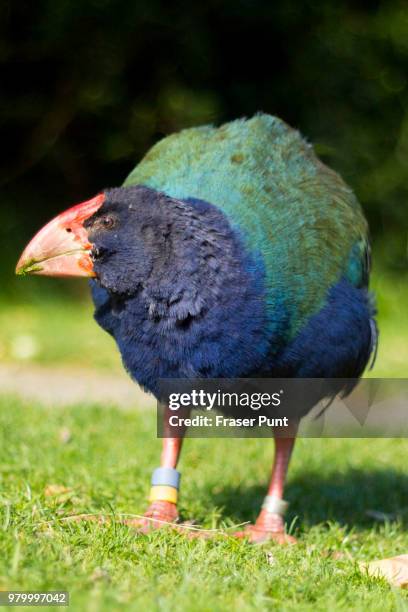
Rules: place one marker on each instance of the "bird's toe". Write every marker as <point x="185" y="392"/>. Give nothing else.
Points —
<point x="158" y="515"/>
<point x="269" y="526"/>
<point x="259" y="535"/>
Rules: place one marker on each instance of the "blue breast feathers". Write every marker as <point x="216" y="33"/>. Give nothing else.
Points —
<point x="207" y="316"/>
<point x="203" y="317"/>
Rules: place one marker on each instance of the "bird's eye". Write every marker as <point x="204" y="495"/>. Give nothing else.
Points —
<point x="108" y="222"/>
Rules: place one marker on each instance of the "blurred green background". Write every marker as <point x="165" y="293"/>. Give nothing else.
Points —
<point x="87" y="87"/>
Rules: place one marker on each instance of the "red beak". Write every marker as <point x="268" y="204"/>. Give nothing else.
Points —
<point x="62" y="248"/>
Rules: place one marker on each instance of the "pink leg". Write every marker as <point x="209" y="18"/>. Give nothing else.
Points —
<point x="162" y="510"/>
<point x="270" y="525"/>
<point x="172" y="446"/>
<point x="171" y="451"/>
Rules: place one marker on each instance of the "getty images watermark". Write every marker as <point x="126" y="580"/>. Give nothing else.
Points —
<point x="270" y="407"/>
<point x="200" y="399"/>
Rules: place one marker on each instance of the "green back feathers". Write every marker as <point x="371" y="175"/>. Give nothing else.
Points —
<point x="289" y="206"/>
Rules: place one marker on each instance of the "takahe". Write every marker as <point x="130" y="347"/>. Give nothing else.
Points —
<point x="229" y="252"/>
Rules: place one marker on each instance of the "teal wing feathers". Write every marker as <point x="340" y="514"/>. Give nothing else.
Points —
<point x="291" y="208"/>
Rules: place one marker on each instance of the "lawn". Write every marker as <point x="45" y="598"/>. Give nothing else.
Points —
<point x="57" y="463"/>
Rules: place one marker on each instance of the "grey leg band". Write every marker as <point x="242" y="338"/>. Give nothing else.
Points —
<point x="168" y="477"/>
<point x="275" y="505"/>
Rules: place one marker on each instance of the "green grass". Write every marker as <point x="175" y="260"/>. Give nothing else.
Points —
<point x="106" y="465"/>
<point x="391" y="292"/>
<point x="55" y="331"/>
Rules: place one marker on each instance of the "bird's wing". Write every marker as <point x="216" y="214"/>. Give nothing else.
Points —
<point x="290" y="208"/>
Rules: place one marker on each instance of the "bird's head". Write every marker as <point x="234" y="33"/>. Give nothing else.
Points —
<point x="117" y="236"/>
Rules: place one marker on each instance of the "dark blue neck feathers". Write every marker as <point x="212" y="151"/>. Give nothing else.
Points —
<point x="201" y="310"/>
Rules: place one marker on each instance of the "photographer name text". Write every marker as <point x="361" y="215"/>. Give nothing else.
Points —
<point x="222" y="421"/>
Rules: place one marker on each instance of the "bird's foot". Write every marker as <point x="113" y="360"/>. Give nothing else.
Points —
<point x="159" y="514"/>
<point x="268" y="527"/>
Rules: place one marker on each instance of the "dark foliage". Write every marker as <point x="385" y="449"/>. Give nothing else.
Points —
<point x="88" y="87"/>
